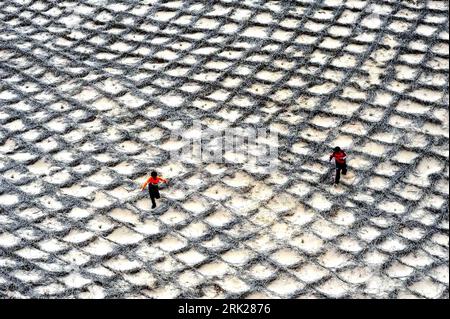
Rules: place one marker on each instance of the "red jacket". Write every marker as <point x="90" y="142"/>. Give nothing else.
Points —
<point x="153" y="181"/>
<point x="339" y="157"/>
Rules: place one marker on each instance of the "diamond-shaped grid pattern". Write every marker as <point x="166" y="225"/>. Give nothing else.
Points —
<point x="90" y="91"/>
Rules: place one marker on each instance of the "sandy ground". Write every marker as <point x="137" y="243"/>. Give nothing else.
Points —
<point x="85" y="118"/>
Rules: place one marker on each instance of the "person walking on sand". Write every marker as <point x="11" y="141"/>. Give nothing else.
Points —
<point x="341" y="164"/>
<point x="153" y="189"/>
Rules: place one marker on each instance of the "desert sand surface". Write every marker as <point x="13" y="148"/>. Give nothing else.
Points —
<point x="92" y="91"/>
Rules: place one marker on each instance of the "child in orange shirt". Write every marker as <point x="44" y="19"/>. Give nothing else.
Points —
<point x="153" y="189"/>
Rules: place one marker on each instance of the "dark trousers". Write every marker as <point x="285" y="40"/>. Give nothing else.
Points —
<point x="153" y="191"/>
<point x="340" y="167"/>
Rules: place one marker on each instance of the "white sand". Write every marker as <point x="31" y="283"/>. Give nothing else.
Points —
<point x="284" y="225"/>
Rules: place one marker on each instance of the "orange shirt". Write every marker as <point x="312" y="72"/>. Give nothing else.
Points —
<point x="154" y="181"/>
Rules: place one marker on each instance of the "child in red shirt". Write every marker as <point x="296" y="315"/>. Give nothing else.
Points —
<point x="153" y="189"/>
<point x="340" y="160"/>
